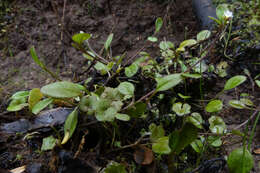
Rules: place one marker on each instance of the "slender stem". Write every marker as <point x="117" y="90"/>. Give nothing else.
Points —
<point x="229" y="33"/>
<point x="253" y="132"/>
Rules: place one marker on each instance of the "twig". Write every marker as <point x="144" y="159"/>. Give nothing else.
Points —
<point x="245" y="122"/>
<point x="62" y="31"/>
<point x="100" y="58"/>
<point x="129" y="146"/>
<point x="141" y="99"/>
<point x="209" y="47"/>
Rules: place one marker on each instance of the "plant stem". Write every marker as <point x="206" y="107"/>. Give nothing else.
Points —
<point x="253" y="132"/>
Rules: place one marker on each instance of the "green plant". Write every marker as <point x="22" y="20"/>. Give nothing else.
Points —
<point x="112" y="105"/>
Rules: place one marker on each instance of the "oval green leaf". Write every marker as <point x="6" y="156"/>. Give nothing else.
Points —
<point x="131" y="70"/>
<point x="237" y="104"/>
<point x="203" y="35"/>
<point x="234" y="82"/>
<point x="41" y="105"/>
<point x="48" y="143"/>
<point x="240" y="161"/>
<point x="80" y="38"/>
<point x="214" y="106"/>
<point x="20" y="94"/>
<point x="108" y="41"/>
<point x="17" y="105"/>
<point x="158" y="24"/>
<point x="70" y="125"/>
<point x="152" y="39"/>
<point x="126" y="88"/>
<point x="167" y="82"/>
<point x="122" y="117"/>
<point x="189" y="42"/>
<point x="34" y="97"/>
<point x="62" y="90"/>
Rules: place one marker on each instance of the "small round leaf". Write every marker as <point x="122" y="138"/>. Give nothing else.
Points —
<point x="240" y="160"/>
<point x="214" y="106"/>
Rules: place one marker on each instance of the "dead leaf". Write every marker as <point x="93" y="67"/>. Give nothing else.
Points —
<point x="257" y="151"/>
<point x="143" y="155"/>
<point x="19" y="169"/>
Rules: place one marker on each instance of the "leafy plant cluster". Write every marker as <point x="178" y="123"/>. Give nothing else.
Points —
<point x="244" y="39"/>
<point x="177" y="66"/>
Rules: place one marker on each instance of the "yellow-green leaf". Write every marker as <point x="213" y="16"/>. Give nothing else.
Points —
<point x="34" y="97"/>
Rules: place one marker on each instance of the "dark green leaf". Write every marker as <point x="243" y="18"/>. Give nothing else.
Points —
<point x="137" y="110"/>
<point x="156" y="132"/>
<point x="182" y="138"/>
<point x="115" y="168"/>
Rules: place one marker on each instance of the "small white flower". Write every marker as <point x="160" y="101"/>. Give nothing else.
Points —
<point x="228" y="14"/>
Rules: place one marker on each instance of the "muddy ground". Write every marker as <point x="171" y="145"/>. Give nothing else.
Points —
<point x="45" y="25"/>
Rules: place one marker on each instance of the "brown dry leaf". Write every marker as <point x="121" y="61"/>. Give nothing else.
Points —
<point x="143" y="155"/>
<point x="62" y="103"/>
<point x="257" y="151"/>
